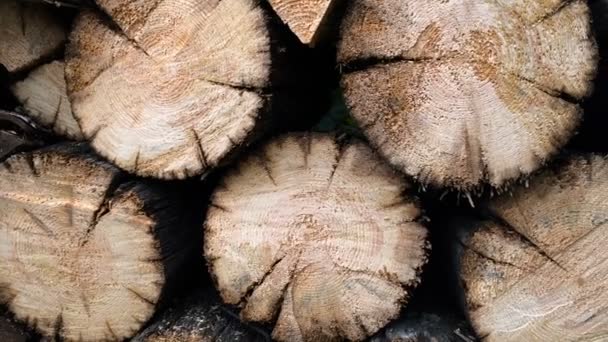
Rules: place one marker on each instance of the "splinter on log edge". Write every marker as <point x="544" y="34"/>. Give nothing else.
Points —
<point x="536" y="269"/>
<point x="85" y="254"/>
<point x="317" y="235"/>
<point x="305" y="18"/>
<point x="462" y="93"/>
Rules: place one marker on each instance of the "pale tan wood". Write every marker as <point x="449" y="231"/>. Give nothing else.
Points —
<point x="538" y="271"/>
<point x="83" y="255"/>
<point x="44" y="96"/>
<point x="460" y="93"/>
<point x="28" y="33"/>
<point x="304" y="17"/>
<point x="178" y="88"/>
<point x="320" y="236"/>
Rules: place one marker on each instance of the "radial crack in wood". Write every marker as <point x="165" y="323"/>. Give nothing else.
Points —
<point x="44" y="96"/>
<point x="84" y="255"/>
<point x="329" y="260"/>
<point x="28" y="34"/>
<point x="467" y="92"/>
<point x="543" y="276"/>
<point x="304" y="17"/>
<point x="168" y="69"/>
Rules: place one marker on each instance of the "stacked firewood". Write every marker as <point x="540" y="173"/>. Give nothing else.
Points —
<point x="303" y="170"/>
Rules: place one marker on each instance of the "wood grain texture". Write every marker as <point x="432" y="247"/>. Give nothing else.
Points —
<point x="537" y="270"/>
<point x="460" y="93"/>
<point x="319" y="237"/>
<point x="83" y="254"/>
<point x="177" y="87"/>
<point x="28" y="33"/>
<point x="304" y="17"/>
<point x="44" y="96"/>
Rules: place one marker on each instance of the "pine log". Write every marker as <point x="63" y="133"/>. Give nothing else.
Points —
<point x="44" y="96"/>
<point x="29" y="33"/>
<point x="175" y="87"/>
<point x="467" y="92"/>
<point x="304" y="17"/>
<point x="318" y="236"/>
<point x="85" y="254"/>
<point x="536" y="268"/>
<point x="200" y="317"/>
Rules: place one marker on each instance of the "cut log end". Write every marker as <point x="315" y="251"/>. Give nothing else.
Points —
<point x="536" y="270"/>
<point x="28" y="34"/>
<point x="464" y="93"/>
<point x="81" y="256"/>
<point x="176" y="87"/>
<point x="44" y="96"/>
<point x="304" y="17"/>
<point x="317" y="236"/>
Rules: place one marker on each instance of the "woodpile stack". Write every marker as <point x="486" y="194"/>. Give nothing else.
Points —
<point x="171" y="170"/>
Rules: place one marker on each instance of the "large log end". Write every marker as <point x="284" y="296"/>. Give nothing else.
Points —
<point x="86" y="255"/>
<point x="317" y="234"/>
<point x="465" y="93"/>
<point x="535" y="270"/>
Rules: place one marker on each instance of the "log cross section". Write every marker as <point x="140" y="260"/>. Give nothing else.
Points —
<point x="463" y="93"/>
<point x="318" y="236"/>
<point x="537" y="270"/>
